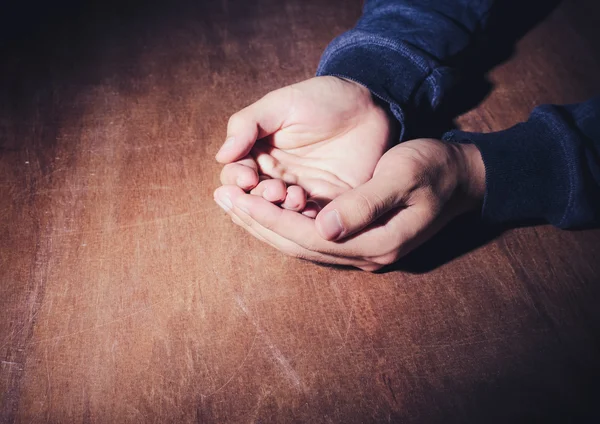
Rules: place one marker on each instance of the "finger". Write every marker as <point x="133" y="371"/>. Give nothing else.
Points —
<point x="237" y="221"/>
<point x="254" y="122"/>
<point x="295" y="199"/>
<point x="314" y="206"/>
<point x="311" y="210"/>
<point x="415" y="225"/>
<point x="316" y="182"/>
<point x="242" y="173"/>
<point x="273" y="190"/>
<point x="356" y="209"/>
<point x="380" y="244"/>
<point x="223" y="196"/>
<point x="301" y="229"/>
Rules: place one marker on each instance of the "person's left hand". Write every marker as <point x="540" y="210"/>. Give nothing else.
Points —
<point x="308" y="141"/>
<point x="417" y="187"/>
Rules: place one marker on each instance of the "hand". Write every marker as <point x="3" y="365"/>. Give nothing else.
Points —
<point x="417" y="187"/>
<point x="322" y="137"/>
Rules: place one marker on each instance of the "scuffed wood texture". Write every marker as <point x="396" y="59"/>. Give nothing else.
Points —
<point x="127" y="296"/>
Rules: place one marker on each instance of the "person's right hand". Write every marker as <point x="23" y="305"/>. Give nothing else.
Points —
<point x="418" y="186"/>
<point x="315" y="139"/>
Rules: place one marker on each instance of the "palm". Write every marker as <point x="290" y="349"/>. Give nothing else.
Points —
<point x="330" y="140"/>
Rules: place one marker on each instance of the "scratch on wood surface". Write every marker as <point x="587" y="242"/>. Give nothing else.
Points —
<point x="95" y="327"/>
<point x="134" y="225"/>
<point x="14" y="333"/>
<point x="236" y="371"/>
<point x="105" y="324"/>
<point x="49" y="389"/>
<point x="43" y="178"/>
<point x="98" y="326"/>
<point x="113" y="321"/>
<point x="347" y="329"/>
<point x="279" y="357"/>
<point x="111" y="189"/>
<point x="472" y="340"/>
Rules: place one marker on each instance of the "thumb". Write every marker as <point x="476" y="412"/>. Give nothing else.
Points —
<point x="252" y="123"/>
<point x="357" y="208"/>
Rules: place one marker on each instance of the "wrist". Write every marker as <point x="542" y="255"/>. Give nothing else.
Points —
<point x="394" y="125"/>
<point x="472" y="176"/>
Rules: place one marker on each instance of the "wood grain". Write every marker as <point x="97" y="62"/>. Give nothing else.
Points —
<point x="127" y="296"/>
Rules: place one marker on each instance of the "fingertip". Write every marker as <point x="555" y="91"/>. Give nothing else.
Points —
<point x="225" y="157"/>
<point x="225" y="151"/>
<point x="274" y="191"/>
<point x="319" y="227"/>
<point x="311" y="209"/>
<point x="329" y="224"/>
<point x="223" y="199"/>
<point x="310" y="213"/>
<point x="248" y="181"/>
<point x="258" y="208"/>
<point x="219" y="192"/>
<point x="295" y="199"/>
<point x="239" y="174"/>
<point x="219" y="157"/>
<point x="230" y="191"/>
<point x="234" y="148"/>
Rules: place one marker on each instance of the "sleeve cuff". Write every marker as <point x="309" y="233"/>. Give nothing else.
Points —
<point x="527" y="175"/>
<point x="391" y="71"/>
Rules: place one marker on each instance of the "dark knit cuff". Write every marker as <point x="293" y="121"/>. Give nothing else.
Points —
<point x="391" y="71"/>
<point x="526" y="174"/>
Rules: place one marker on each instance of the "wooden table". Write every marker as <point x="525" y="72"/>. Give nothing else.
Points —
<point x="127" y="296"/>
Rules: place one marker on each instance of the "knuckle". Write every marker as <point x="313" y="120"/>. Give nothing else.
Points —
<point x="412" y="176"/>
<point x="412" y="169"/>
<point x="369" y="206"/>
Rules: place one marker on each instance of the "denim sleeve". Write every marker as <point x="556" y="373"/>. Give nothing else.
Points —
<point x="404" y="51"/>
<point x="547" y="168"/>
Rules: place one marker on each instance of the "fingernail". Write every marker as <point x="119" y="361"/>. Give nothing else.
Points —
<point x="331" y="225"/>
<point x="227" y="145"/>
<point x="224" y="202"/>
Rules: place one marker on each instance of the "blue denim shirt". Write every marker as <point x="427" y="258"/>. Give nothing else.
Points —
<point x="408" y="53"/>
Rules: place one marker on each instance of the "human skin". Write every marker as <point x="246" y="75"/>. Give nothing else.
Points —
<point x="377" y="207"/>
<point x="313" y="140"/>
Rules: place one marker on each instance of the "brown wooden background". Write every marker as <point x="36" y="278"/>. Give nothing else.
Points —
<point x="127" y="296"/>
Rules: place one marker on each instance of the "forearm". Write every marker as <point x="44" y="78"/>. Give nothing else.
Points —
<point x="406" y="51"/>
<point x="547" y="168"/>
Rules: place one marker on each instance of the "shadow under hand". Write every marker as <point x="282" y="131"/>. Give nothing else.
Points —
<point x="508" y="21"/>
<point x="464" y="234"/>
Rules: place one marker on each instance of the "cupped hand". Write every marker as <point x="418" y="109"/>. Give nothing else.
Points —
<point x="315" y="139"/>
<point x="416" y="188"/>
